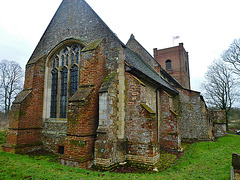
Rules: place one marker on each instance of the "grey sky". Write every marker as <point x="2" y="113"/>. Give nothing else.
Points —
<point x="206" y="27"/>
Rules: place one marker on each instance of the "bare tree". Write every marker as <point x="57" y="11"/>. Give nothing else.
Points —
<point x="220" y="87"/>
<point x="232" y="55"/>
<point x="11" y="82"/>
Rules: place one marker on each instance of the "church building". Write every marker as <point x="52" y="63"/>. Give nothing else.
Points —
<point x="94" y="100"/>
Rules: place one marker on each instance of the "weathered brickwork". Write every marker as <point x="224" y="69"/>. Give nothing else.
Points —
<point x="179" y="63"/>
<point x="83" y="109"/>
<point x="141" y="122"/>
<point x="123" y="105"/>
<point x="169" y="126"/>
<point x="26" y="116"/>
<point x="108" y="148"/>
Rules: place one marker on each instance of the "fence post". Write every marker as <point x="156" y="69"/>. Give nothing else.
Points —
<point x="236" y="161"/>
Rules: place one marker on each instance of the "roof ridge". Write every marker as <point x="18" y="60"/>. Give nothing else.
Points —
<point x="71" y="23"/>
<point x="155" y="74"/>
<point x="133" y="37"/>
<point x="114" y="34"/>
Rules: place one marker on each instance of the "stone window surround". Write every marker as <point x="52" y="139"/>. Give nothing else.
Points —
<point x="58" y="50"/>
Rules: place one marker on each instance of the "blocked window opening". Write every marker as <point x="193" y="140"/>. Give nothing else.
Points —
<point x="61" y="149"/>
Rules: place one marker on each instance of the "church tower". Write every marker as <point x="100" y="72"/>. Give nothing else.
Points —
<point x="175" y="61"/>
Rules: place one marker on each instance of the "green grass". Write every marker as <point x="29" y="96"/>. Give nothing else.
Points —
<point x="234" y="124"/>
<point x="3" y="135"/>
<point x="203" y="160"/>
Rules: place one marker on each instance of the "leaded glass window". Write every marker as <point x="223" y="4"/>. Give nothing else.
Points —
<point x="63" y="60"/>
<point x="77" y="58"/>
<point x="73" y="80"/>
<point x="53" y="64"/>
<point x="64" y="80"/>
<point x="57" y="61"/>
<point x="72" y="59"/>
<point x="54" y="92"/>
<point x="63" y="95"/>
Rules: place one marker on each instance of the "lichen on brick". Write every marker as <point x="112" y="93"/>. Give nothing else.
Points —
<point x="81" y="144"/>
<point x="92" y="45"/>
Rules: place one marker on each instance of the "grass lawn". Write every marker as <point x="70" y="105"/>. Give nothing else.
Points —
<point x="203" y="160"/>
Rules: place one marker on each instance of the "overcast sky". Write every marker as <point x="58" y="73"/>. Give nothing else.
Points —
<point x="206" y="27"/>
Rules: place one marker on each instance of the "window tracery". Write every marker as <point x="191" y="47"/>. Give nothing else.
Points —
<point x="64" y="80"/>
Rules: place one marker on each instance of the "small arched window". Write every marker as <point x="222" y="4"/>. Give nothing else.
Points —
<point x="168" y="65"/>
<point x="64" y="81"/>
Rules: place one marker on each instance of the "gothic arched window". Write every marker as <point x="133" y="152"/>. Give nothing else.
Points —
<point x="64" y="80"/>
<point x="168" y="65"/>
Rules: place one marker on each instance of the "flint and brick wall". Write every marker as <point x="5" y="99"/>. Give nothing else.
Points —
<point x="109" y="150"/>
<point x="218" y="118"/>
<point x="193" y="117"/>
<point x="107" y="146"/>
<point x="54" y="134"/>
<point x="141" y="122"/>
<point x="169" y="135"/>
<point x="83" y="111"/>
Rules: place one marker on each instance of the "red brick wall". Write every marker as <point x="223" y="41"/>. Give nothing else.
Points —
<point x="140" y="125"/>
<point x="175" y="54"/>
<point x="83" y="114"/>
<point x="26" y="116"/>
<point x="169" y="126"/>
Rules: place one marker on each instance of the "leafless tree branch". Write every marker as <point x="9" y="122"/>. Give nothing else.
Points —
<point x="232" y="55"/>
<point x="220" y="86"/>
<point x="11" y="82"/>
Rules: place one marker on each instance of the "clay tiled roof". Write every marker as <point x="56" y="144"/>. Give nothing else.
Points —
<point x="82" y="94"/>
<point x="21" y="96"/>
